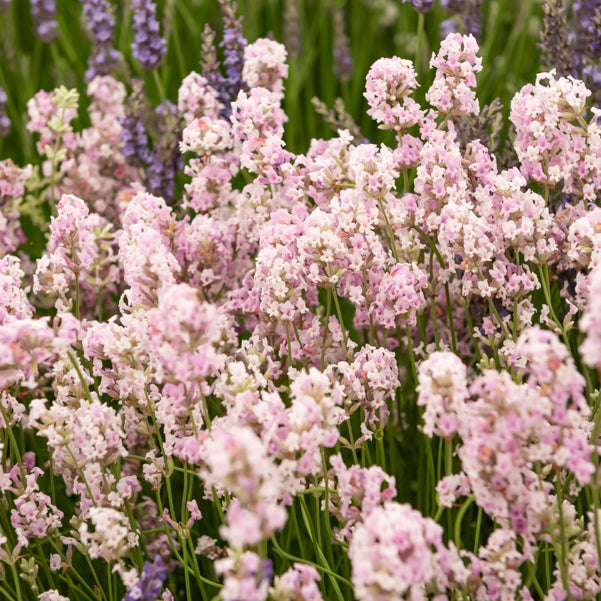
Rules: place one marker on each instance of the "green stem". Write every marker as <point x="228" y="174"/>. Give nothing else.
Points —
<point x="460" y="515"/>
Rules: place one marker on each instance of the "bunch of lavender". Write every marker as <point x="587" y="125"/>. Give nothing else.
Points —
<point x="43" y="13"/>
<point x="148" y="46"/>
<point x="101" y="24"/>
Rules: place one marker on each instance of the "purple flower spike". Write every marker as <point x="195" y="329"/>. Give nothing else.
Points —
<point x="101" y="24"/>
<point x="148" y="46"/>
<point x="4" y="120"/>
<point x="421" y="6"/>
<point x="233" y="44"/>
<point x="149" y="587"/>
<point x="43" y="13"/>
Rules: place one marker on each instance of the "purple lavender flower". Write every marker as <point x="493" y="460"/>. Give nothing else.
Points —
<point x="556" y="50"/>
<point x="149" y="587"/>
<point x="467" y="17"/>
<point x="210" y="65"/>
<point x="148" y="46"/>
<point x="422" y="6"/>
<point x="4" y="120"/>
<point x="133" y="134"/>
<point x="267" y="571"/>
<point x="343" y="60"/>
<point x="233" y="44"/>
<point x="165" y="160"/>
<point x="43" y="13"/>
<point x="101" y="23"/>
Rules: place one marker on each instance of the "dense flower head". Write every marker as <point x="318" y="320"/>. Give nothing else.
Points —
<point x="184" y="349"/>
<point x="369" y="381"/>
<point x="243" y="577"/>
<point x="109" y="536"/>
<point x="79" y="253"/>
<point x="297" y="583"/>
<point x="443" y="391"/>
<point x="14" y="303"/>
<point x="400" y="296"/>
<point x="34" y="515"/>
<point x="356" y="492"/>
<point x="591" y="347"/>
<point x="397" y="553"/>
<point x="257" y="114"/>
<point x="197" y="99"/>
<point x="456" y="66"/>
<point x="389" y="84"/>
<point x="265" y="65"/>
<point x="550" y="146"/>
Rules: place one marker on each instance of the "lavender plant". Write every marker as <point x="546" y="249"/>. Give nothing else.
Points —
<point x="361" y="371"/>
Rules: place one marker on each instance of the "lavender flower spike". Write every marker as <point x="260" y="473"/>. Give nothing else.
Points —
<point x="43" y="13"/>
<point x="148" y="46"/>
<point x="421" y="6"/>
<point x="149" y="587"/>
<point x="4" y="120"/>
<point x="233" y="45"/>
<point x="101" y="24"/>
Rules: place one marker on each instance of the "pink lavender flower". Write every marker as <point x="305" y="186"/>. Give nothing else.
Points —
<point x="243" y="577"/>
<point x="204" y="136"/>
<point x="184" y="348"/>
<point x="109" y="536"/>
<point x="551" y="142"/>
<point x="389" y="84"/>
<point x="369" y="381"/>
<point x="79" y="257"/>
<point x="14" y="303"/>
<point x="400" y="296"/>
<point x="237" y="461"/>
<point x="265" y="65"/>
<point x="355" y="492"/>
<point x="34" y="515"/>
<point x="51" y="595"/>
<point x="257" y="114"/>
<point x="196" y="98"/>
<point x="443" y="391"/>
<point x="298" y="583"/>
<point x="397" y="553"/>
<point x="590" y="324"/>
<point x="456" y="66"/>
